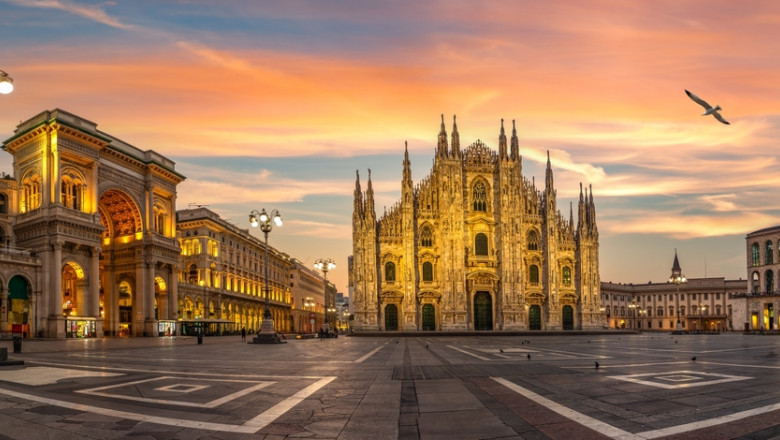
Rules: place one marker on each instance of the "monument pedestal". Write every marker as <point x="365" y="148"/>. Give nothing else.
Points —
<point x="267" y="334"/>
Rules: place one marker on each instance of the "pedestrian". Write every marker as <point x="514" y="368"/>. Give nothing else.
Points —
<point x="243" y="333"/>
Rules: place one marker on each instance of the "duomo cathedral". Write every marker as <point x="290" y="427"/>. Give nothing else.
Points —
<point x="475" y="245"/>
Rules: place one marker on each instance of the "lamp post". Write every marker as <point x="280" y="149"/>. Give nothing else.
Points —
<point x="678" y="279"/>
<point x="632" y="309"/>
<point x="267" y="334"/>
<point x="6" y="83"/>
<point x="701" y="316"/>
<point x="325" y="265"/>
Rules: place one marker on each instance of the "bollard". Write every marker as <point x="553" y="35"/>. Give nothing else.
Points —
<point x="17" y="344"/>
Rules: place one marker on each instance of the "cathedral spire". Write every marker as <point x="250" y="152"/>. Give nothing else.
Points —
<point x="441" y="150"/>
<point x="592" y="212"/>
<point x="357" y="208"/>
<point x="407" y="176"/>
<point x="548" y="175"/>
<point x="455" y="138"/>
<point x="515" y="143"/>
<point x="370" y="198"/>
<point x="502" y="142"/>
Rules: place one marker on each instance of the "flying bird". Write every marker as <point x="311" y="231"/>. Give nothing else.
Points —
<point x="501" y="350"/>
<point x="708" y="109"/>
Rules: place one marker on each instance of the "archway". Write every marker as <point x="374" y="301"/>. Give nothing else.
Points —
<point x="125" y="308"/>
<point x="568" y="318"/>
<point x="428" y="317"/>
<point x="391" y="317"/>
<point x="483" y="311"/>
<point x="535" y="318"/>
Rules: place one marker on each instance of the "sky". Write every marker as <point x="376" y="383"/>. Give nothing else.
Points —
<point x="275" y="105"/>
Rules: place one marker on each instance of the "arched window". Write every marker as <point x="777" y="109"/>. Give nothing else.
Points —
<point x="769" y="277"/>
<point x="533" y="274"/>
<point x="30" y="194"/>
<point x="768" y="255"/>
<point x="427" y="271"/>
<point x="480" y="244"/>
<point x="426" y="237"/>
<point x="479" y="196"/>
<point x="160" y="219"/>
<point x="192" y="276"/>
<point x="533" y="241"/>
<point x="755" y="254"/>
<point x="389" y="271"/>
<point x="756" y="282"/>
<point x="566" y="276"/>
<point x="3" y="203"/>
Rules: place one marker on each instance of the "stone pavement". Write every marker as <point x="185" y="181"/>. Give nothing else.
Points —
<point x="646" y="386"/>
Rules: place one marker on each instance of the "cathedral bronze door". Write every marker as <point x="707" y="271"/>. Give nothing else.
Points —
<point x="483" y="311"/>
<point x="428" y="318"/>
<point x="568" y="318"/>
<point x="535" y="318"/>
<point x="391" y="317"/>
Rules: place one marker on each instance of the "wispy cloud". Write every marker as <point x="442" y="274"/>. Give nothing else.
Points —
<point x="91" y="12"/>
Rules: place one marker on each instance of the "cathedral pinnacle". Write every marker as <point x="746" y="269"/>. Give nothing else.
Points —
<point x="502" y="142"/>
<point x="515" y="143"/>
<point x="455" y="138"/>
<point x="441" y="150"/>
<point x="407" y="174"/>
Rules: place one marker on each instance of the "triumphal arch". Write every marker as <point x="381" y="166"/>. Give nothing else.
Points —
<point x="99" y="214"/>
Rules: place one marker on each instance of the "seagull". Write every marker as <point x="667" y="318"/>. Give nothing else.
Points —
<point x="708" y="109"/>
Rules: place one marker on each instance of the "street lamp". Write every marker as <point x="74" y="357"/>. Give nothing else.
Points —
<point x="267" y="334"/>
<point x="632" y="308"/>
<point x="325" y="265"/>
<point x="702" y="307"/>
<point x="677" y="280"/>
<point x="6" y="83"/>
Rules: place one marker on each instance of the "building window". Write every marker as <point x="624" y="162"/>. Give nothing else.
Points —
<point x="389" y="271"/>
<point x="533" y="274"/>
<point x="427" y="271"/>
<point x="660" y="312"/>
<point x="71" y="192"/>
<point x="533" y="241"/>
<point x="3" y="203"/>
<point x="770" y="281"/>
<point x="768" y="255"/>
<point x="30" y="194"/>
<point x="479" y="194"/>
<point x="426" y="237"/>
<point x="755" y="254"/>
<point x="481" y="244"/>
<point x="566" y="276"/>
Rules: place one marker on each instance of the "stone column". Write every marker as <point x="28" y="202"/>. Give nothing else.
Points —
<point x="93" y="308"/>
<point x="150" y="324"/>
<point x="56" y="325"/>
<point x="139" y="299"/>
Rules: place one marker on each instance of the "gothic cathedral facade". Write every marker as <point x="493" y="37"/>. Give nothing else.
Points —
<point x="474" y="246"/>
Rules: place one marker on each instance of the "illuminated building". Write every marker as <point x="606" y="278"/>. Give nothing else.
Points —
<point x="474" y="246"/>
<point x="98" y="214"/>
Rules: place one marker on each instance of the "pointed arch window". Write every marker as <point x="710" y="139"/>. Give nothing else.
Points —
<point x="479" y="196"/>
<point x="426" y="236"/>
<point x="768" y="254"/>
<point x="533" y="274"/>
<point x="533" y="241"/>
<point x="566" y="276"/>
<point x="481" y="244"/>
<point x="389" y="271"/>
<point x="427" y="271"/>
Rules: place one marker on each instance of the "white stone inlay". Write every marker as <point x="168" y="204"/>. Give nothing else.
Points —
<point x="686" y="379"/>
<point x="48" y="375"/>
<point x="101" y="391"/>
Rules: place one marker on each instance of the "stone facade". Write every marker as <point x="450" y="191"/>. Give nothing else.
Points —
<point x="98" y="215"/>
<point x="474" y="246"/>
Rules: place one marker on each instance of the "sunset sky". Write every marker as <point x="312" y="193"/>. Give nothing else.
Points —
<point x="275" y="104"/>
